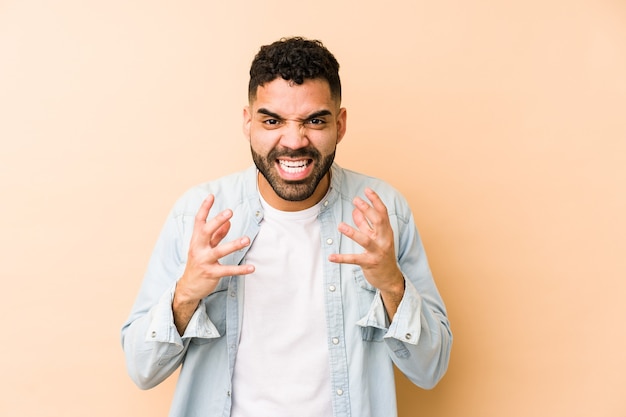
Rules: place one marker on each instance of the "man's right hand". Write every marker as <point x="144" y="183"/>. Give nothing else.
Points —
<point x="203" y="270"/>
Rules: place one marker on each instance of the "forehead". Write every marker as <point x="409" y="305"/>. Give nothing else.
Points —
<point x="290" y="99"/>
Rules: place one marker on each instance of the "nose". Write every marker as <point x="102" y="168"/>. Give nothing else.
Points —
<point x="294" y="135"/>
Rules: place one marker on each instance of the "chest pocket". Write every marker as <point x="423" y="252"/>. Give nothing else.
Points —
<point x="366" y="293"/>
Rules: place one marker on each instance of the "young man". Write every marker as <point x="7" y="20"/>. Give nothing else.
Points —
<point x="289" y="289"/>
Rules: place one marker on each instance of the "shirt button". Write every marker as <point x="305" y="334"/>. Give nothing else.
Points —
<point x="153" y="334"/>
<point x="329" y="241"/>
<point x="326" y="203"/>
<point x="408" y="336"/>
<point x="332" y="288"/>
<point x="339" y="392"/>
<point x="335" y="340"/>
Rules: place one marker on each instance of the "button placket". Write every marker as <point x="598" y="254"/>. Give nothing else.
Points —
<point x="330" y="244"/>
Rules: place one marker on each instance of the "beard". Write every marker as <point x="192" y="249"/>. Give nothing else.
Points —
<point x="293" y="190"/>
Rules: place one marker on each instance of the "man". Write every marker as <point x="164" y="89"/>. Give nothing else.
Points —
<point x="289" y="289"/>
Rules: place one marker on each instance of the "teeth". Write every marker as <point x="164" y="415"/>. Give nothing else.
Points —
<point x="293" y="167"/>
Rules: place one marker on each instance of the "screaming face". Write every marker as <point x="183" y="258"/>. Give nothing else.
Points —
<point x="293" y="132"/>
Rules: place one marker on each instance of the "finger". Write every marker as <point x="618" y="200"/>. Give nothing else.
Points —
<point x="356" y="235"/>
<point x="369" y="213"/>
<point x="200" y="221"/>
<point x="352" y="259"/>
<point x="361" y="221"/>
<point x="227" y="248"/>
<point x="203" y="211"/>
<point x="214" y="224"/>
<point x="376" y="201"/>
<point x="229" y="270"/>
<point x="219" y="234"/>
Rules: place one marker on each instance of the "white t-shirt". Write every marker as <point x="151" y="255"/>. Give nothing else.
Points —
<point x="282" y="367"/>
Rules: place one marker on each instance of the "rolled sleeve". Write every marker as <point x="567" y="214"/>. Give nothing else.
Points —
<point x="200" y="326"/>
<point x="163" y="329"/>
<point x="406" y="323"/>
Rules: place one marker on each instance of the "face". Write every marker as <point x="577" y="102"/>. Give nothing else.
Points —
<point x="293" y="132"/>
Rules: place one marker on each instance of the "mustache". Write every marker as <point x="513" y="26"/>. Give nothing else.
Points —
<point x="308" y="152"/>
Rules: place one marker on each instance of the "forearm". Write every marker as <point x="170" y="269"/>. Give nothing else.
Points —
<point x="426" y="362"/>
<point x="419" y="339"/>
<point x="183" y="310"/>
<point x="185" y="301"/>
<point x="152" y="346"/>
<point x="392" y="297"/>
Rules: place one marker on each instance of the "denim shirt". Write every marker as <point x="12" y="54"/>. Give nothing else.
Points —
<point x="362" y="344"/>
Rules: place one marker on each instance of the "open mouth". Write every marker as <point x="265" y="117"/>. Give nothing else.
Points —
<point x="294" y="167"/>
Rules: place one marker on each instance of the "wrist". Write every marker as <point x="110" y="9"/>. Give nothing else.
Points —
<point x="183" y="298"/>
<point x="391" y="297"/>
<point x="395" y="286"/>
<point x="395" y="291"/>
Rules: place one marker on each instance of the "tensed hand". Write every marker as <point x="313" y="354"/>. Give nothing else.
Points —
<point x="374" y="234"/>
<point x="203" y="269"/>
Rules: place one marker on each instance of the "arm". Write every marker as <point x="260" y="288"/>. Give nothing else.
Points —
<point x="158" y="331"/>
<point x="418" y="336"/>
<point x="203" y="270"/>
<point x="378" y="262"/>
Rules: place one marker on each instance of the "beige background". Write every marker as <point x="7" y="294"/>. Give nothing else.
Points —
<point x="504" y="124"/>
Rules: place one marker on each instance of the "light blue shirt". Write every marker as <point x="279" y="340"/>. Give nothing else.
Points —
<point x="362" y="344"/>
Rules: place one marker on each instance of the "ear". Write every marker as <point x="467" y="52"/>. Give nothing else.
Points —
<point x="247" y="120"/>
<point x="341" y="123"/>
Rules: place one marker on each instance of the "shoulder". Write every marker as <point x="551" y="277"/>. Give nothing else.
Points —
<point x="230" y="191"/>
<point x="352" y="184"/>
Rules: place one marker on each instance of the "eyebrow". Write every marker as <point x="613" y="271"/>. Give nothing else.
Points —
<point x="313" y="115"/>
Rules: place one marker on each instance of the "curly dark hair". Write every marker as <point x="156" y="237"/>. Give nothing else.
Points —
<point x="294" y="59"/>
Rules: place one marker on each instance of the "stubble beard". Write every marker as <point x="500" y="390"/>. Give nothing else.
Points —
<point x="293" y="190"/>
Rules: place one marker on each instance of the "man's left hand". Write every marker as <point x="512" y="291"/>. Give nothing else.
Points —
<point x="378" y="261"/>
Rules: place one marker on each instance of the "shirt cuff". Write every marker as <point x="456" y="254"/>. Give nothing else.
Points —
<point x="162" y="328"/>
<point x="406" y="323"/>
<point x="200" y="326"/>
<point x="376" y="315"/>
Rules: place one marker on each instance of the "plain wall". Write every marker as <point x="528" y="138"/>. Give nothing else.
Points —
<point x="503" y="123"/>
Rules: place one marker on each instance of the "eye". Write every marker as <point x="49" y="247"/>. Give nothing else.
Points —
<point x="270" y="122"/>
<point x="316" y="122"/>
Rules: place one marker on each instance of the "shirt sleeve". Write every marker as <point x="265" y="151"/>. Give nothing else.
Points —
<point x="152" y="345"/>
<point x="418" y="338"/>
